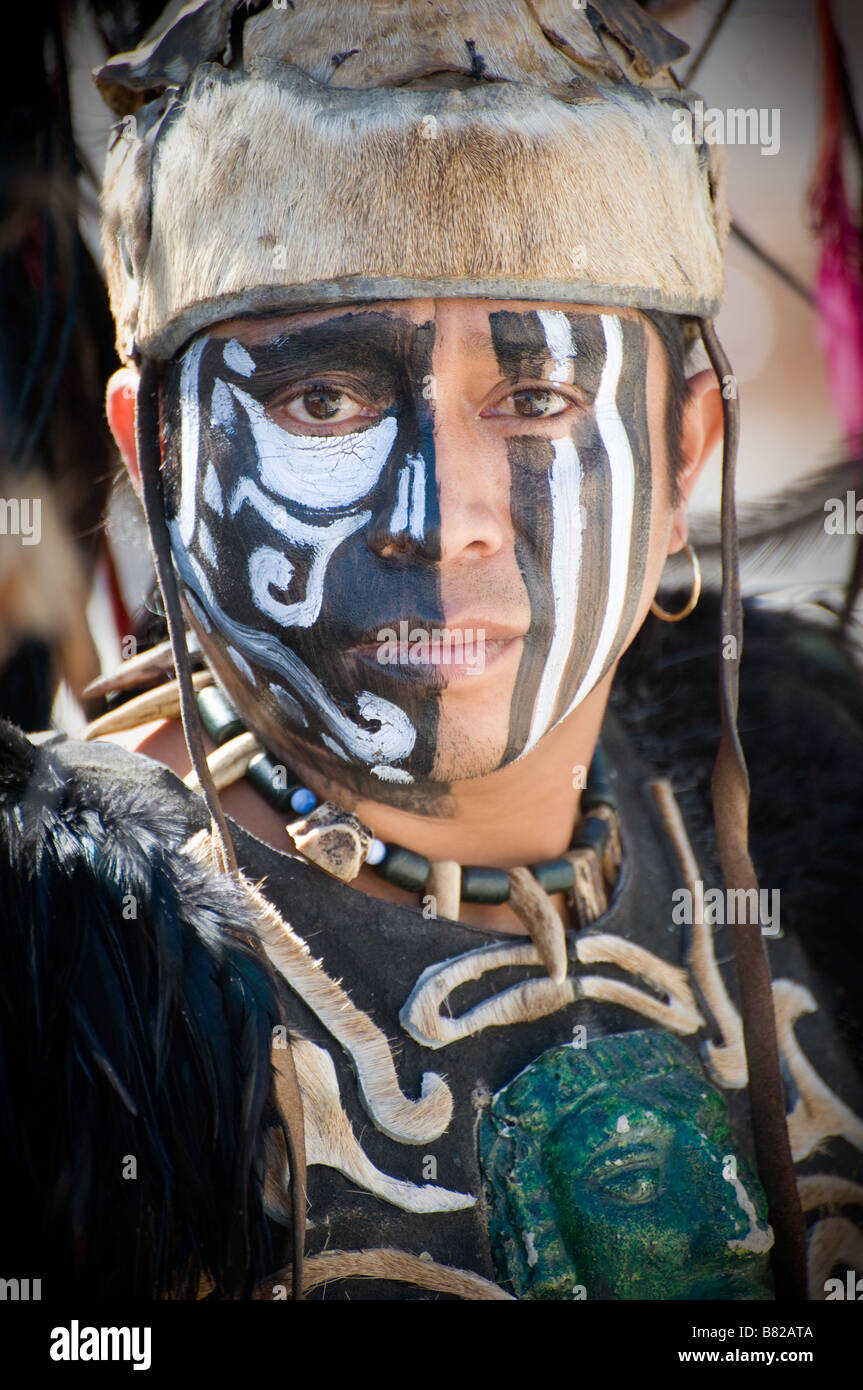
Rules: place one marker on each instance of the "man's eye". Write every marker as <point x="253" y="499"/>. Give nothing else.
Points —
<point x="323" y="405"/>
<point x="531" y="403"/>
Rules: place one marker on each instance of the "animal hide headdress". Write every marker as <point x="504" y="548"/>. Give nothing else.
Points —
<point x="326" y="152"/>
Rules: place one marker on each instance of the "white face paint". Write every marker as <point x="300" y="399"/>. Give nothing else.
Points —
<point x="565" y="488"/>
<point x="320" y="472"/>
<point x="409" y="513"/>
<point x="302" y="498"/>
<point x="269" y="566"/>
<point x="617" y="446"/>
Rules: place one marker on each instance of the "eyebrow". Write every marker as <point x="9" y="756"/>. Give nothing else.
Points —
<point x="349" y="326"/>
<point x="351" y="330"/>
<point x="477" y="344"/>
<point x="588" y="344"/>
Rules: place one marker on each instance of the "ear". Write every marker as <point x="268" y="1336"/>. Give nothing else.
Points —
<point x="120" y="397"/>
<point x="700" y="435"/>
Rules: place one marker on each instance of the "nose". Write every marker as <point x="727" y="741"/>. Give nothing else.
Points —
<point x="448" y="500"/>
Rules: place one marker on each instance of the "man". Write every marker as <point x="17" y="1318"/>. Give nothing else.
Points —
<point x="414" y="442"/>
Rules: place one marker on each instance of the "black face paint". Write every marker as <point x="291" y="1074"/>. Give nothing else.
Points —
<point x="296" y="550"/>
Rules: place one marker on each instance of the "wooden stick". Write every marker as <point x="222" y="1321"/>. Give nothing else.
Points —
<point x="161" y="703"/>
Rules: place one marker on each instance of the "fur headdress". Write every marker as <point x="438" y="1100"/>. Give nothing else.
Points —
<point x="348" y="150"/>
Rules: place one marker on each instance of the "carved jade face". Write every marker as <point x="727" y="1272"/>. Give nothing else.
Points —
<point x="612" y="1173"/>
<point x="413" y="536"/>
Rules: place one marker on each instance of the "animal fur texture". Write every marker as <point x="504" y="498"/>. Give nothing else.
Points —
<point x="136" y="1022"/>
<point x="493" y="153"/>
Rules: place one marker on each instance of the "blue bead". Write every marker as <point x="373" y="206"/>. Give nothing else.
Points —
<point x="377" y="850"/>
<point x="304" y="801"/>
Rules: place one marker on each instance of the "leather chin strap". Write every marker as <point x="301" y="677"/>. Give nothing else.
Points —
<point x="148" y="437"/>
<point x="731" y="821"/>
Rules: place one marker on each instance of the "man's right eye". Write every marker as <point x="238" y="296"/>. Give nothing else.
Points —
<point x="322" y="405"/>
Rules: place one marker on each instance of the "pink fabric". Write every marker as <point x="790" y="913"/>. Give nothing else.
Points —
<point x="839" y="297"/>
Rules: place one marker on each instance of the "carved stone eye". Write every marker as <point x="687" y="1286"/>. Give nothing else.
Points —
<point x="632" y="1186"/>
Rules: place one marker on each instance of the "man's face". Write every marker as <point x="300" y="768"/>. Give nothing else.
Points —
<point x="413" y="536"/>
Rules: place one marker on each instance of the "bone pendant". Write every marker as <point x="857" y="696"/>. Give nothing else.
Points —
<point x="334" y="839"/>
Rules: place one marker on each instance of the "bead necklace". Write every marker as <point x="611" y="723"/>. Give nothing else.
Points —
<point x="337" y="841"/>
<point x="588" y="872"/>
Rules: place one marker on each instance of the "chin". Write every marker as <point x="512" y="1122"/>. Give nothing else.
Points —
<point x="462" y="757"/>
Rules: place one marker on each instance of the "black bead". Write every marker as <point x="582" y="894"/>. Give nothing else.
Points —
<point x="218" y="715"/>
<point x="265" y="775"/>
<point x="484" y="885"/>
<point x="592" y="834"/>
<point x="554" y="875"/>
<point x="404" y="868"/>
<point x="598" y="791"/>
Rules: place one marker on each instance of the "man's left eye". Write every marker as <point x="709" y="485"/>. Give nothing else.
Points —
<point x="531" y="403"/>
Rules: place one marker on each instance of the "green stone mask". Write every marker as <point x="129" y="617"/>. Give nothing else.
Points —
<point x="611" y="1173"/>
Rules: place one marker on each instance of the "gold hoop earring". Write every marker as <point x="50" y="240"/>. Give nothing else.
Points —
<point x="695" y="593"/>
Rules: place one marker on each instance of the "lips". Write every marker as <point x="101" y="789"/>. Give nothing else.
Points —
<point x="429" y="653"/>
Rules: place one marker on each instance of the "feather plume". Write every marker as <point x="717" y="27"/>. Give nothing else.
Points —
<point x="136" y="1020"/>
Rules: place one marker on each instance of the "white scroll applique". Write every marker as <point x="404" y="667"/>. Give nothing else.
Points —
<point x="725" y="1061"/>
<point x="330" y="1140"/>
<point x="834" y="1240"/>
<point x="818" y="1113"/>
<point x="673" y="1006"/>
<point x="406" y="1121"/>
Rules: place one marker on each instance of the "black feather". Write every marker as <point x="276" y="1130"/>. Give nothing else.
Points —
<point x="145" y="1035"/>
<point x="782" y="539"/>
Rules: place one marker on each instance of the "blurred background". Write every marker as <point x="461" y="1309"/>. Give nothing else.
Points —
<point x="79" y="601"/>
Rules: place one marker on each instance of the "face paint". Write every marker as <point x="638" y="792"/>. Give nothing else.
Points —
<point x="270" y="533"/>
<point x="581" y="508"/>
<point x="296" y="550"/>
